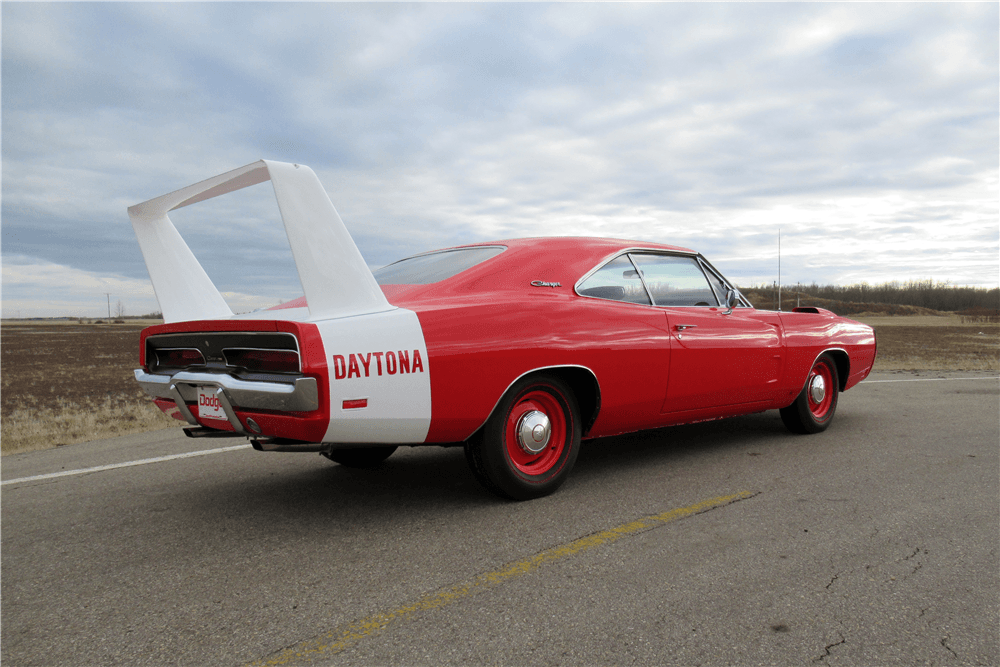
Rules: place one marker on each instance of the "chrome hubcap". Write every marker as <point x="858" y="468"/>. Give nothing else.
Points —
<point x="817" y="389"/>
<point x="533" y="431"/>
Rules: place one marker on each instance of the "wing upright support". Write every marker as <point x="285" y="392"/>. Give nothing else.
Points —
<point x="335" y="278"/>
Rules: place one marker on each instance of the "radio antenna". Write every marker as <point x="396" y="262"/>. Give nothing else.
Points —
<point x="779" y="269"/>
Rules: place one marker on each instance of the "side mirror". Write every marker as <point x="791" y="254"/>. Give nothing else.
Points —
<point x="732" y="299"/>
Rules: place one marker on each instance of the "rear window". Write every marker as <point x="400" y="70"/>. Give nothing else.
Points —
<point x="435" y="266"/>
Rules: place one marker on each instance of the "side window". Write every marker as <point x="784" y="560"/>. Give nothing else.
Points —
<point x="674" y="280"/>
<point x="617" y="280"/>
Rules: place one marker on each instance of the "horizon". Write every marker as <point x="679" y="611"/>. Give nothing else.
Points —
<point x="905" y="285"/>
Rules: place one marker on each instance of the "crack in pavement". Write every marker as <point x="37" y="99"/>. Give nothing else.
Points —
<point x="827" y="648"/>
<point x="944" y="642"/>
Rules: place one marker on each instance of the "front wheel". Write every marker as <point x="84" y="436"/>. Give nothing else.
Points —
<point x="815" y="406"/>
<point x="360" y="457"/>
<point x="530" y="442"/>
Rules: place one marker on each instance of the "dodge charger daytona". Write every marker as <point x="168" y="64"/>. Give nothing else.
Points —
<point x="515" y="350"/>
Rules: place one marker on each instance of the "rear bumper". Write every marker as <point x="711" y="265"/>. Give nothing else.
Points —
<point x="299" y="395"/>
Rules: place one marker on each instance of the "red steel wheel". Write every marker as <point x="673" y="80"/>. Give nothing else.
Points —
<point x="820" y="390"/>
<point x="530" y="442"/>
<point x="536" y="432"/>
<point x="816" y="404"/>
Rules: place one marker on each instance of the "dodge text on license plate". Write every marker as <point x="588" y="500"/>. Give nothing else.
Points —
<point x="209" y="406"/>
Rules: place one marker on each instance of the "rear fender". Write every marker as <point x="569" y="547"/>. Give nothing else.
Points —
<point x="581" y="380"/>
<point x="842" y="361"/>
<point x="379" y="378"/>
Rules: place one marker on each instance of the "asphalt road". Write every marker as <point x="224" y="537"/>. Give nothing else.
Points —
<point x="874" y="543"/>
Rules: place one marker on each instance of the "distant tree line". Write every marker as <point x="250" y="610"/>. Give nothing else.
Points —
<point x="920" y="293"/>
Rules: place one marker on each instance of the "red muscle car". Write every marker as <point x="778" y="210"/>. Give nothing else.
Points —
<point x="515" y="350"/>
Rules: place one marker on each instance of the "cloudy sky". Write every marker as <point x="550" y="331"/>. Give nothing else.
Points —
<point x="868" y="133"/>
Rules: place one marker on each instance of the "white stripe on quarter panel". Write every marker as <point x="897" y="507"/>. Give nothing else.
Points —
<point x="399" y="403"/>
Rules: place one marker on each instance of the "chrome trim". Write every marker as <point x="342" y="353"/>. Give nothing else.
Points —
<point x="619" y="253"/>
<point x="302" y="395"/>
<point x="718" y="274"/>
<point x="624" y="303"/>
<point x="698" y="264"/>
<point x="642" y="279"/>
<point x="700" y="261"/>
<point x="732" y="298"/>
<point x="817" y="389"/>
<point x="227" y="407"/>
<point x="452" y="249"/>
<point x="701" y="267"/>
<point x="175" y="394"/>
<point x="241" y="334"/>
<point x="534" y="430"/>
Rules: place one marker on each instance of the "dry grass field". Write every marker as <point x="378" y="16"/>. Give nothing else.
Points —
<point x="64" y="383"/>
<point x="929" y="342"/>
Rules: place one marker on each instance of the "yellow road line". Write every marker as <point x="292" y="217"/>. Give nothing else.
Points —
<point x="346" y="636"/>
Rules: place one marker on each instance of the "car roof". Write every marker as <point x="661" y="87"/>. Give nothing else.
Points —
<point x="557" y="259"/>
<point x="550" y="259"/>
<point x="583" y="244"/>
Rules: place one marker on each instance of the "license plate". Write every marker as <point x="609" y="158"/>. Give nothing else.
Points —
<point x="209" y="406"/>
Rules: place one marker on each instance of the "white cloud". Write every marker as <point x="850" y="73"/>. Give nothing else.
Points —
<point x="435" y="124"/>
<point x="34" y="288"/>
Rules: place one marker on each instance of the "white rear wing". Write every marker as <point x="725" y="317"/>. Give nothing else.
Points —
<point x="335" y="278"/>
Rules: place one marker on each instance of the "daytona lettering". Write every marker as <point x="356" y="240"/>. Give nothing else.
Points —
<point x="371" y="363"/>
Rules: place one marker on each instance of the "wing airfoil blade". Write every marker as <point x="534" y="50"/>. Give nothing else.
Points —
<point x="335" y="278"/>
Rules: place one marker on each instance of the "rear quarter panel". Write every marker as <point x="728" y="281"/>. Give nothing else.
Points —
<point x="479" y="348"/>
<point x="807" y="335"/>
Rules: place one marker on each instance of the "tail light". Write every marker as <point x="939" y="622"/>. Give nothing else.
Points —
<point x="178" y="358"/>
<point x="263" y="361"/>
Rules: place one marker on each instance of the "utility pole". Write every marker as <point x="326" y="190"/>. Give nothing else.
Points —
<point x="109" y="304"/>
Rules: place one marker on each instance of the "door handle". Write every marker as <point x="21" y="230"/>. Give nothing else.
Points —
<point x="682" y="327"/>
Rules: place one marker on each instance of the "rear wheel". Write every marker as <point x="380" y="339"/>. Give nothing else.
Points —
<point x="814" y="408"/>
<point x="360" y="457"/>
<point x="529" y="444"/>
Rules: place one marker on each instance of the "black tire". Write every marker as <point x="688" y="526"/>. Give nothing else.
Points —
<point x="510" y="469"/>
<point x="807" y="414"/>
<point x="360" y="457"/>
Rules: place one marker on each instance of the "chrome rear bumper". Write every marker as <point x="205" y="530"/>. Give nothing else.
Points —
<point x="300" y="395"/>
